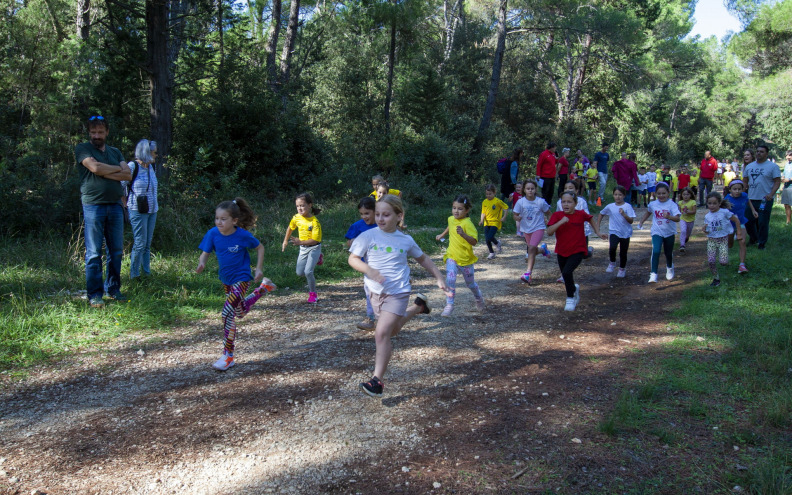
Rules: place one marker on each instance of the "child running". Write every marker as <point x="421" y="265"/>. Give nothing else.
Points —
<point x="530" y="214"/>
<point x="462" y="236"/>
<point x="621" y="216"/>
<point x="663" y="212"/>
<point x="230" y="240"/>
<point x="493" y="214"/>
<point x="387" y="276"/>
<point x="687" y="205"/>
<point x="515" y="196"/>
<point x="309" y="239"/>
<point x="717" y="226"/>
<point x="739" y="206"/>
<point x="366" y="222"/>
<point x="567" y="226"/>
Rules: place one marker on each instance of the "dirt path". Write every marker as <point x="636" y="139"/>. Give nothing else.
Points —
<point x="469" y="400"/>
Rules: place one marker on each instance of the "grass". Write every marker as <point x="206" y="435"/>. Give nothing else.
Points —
<point x="736" y="383"/>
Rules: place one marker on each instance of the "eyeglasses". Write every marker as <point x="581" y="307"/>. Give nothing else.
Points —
<point x="96" y="117"/>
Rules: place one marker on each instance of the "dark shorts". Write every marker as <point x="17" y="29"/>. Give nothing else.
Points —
<point x="592" y="186"/>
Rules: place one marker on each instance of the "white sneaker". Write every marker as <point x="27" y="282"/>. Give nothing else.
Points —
<point x="610" y="268"/>
<point x="622" y="273"/>
<point x="500" y="247"/>
<point x="577" y="294"/>
<point x="570" y="304"/>
<point x="652" y="278"/>
<point x="670" y="273"/>
<point x="224" y="362"/>
<point x="447" y="310"/>
<point x="560" y="280"/>
<point x="491" y="256"/>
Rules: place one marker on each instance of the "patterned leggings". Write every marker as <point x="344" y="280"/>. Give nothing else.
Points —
<point x="236" y="306"/>
<point x="451" y="275"/>
<point x="717" y="250"/>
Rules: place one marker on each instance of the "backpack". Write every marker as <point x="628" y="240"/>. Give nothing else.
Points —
<point x="503" y="165"/>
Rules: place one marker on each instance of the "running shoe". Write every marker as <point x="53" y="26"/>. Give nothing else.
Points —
<point x="742" y="269"/>
<point x="97" y="302"/>
<point x="590" y="251"/>
<point x="622" y="273"/>
<point x="224" y="362"/>
<point x="652" y="278"/>
<point x="491" y="256"/>
<point x="118" y="297"/>
<point x="312" y="298"/>
<point x="447" y="310"/>
<point x="670" y="273"/>
<point x="500" y="247"/>
<point x="560" y="280"/>
<point x="715" y="282"/>
<point x="480" y="305"/>
<point x="577" y="294"/>
<point x="372" y="387"/>
<point x="423" y="302"/>
<point x="526" y="277"/>
<point x="543" y="249"/>
<point x="367" y="324"/>
<point x="682" y="249"/>
<point x="570" y="304"/>
<point x="611" y="267"/>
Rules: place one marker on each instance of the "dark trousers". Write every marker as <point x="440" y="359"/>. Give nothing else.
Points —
<point x="623" y="244"/>
<point x="548" y="187"/>
<point x="562" y="180"/>
<point x="705" y="187"/>
<point x="759" y="229"/>
<point x="567" y="264"/>
<point x="489" y="235"/>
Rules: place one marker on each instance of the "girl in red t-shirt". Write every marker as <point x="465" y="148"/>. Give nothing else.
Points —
<point x="567" y="225"/>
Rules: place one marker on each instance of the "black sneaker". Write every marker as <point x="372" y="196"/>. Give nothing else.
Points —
<point x="372" y="387"/>
<point x="715" y="282"/>
<point x="423" y="302"/>
<point x="760" y="246"/>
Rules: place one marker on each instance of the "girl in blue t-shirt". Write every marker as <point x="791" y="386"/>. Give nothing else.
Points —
<point x="230" y="241"/>
<point x="366" y="209"/>
<point x="740" y="206"/>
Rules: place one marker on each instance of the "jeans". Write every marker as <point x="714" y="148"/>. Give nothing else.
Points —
<point x="667" y="245"/>
<point x="705" y="187"/>
<point x="142" y="231"/>
<point x="759" y="228"/>
<point x="489" y="236"/>
<point x="103" y="223"/>
<point x="603" y="181"/>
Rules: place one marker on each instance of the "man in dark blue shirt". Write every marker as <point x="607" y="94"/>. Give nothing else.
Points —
<point x="601" y="159"/>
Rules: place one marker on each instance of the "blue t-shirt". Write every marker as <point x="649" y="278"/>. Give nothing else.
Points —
<point x="232" y="253"/>
<point x="358" y="228"/>
<point x="602" y="161"/>
<point x="738" y="206"/>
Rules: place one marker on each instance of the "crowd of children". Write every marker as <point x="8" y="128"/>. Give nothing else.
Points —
<point x="379" y="248"/>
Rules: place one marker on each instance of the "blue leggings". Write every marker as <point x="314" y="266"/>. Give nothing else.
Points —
<point x="489" y="235"/>
<point x="467" y="272"/>
<point x="667" y="244"/>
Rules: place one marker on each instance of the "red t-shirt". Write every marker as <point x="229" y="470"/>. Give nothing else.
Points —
<point x="708" y="168"/>
<point x="515" y="196"/>
<point x="684" y="181"/>
<point x="564" y="165"/>
<point x="546" y="166"/>
<point x="570" y="237"/>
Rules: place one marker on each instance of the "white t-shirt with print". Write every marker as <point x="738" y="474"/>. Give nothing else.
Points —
<point x="531" y="214"/>
<point x="719" y="223"/>
<point x="662" y="226"/>
<point x="617" y="225"/>
<point x="387" y="252"/>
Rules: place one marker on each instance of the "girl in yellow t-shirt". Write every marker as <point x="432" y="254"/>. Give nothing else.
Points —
<point x="687" y="205"/>
<point x="493" y="214"/>
<point x="462" y="236"/>
<point x="309" y="240"/>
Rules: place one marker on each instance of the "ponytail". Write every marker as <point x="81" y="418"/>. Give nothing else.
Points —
<point x="240" y="210"/>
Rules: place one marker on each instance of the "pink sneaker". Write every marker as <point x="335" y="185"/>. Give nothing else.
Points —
<point x="312" y="298"/>
<point x="742" y="269"/>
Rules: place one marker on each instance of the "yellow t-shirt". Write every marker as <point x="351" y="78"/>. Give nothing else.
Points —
<point x="694" y="179"/>
<point x="394" y="192"/>
<point x="308" y="228"/>
<point x="493" y="211"/>
<point x="687" y="217"/>
<point x="728" y="177"/>
<point x="674" y="183"/>
<point x="591" y="174"/>
<point x="459" y="249"/>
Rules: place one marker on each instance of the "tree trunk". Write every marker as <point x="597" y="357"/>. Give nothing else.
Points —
<point x="55" y="22"/>
<point x="83" y="21"/>
<point x="497" y="65"/>
<point x="160" y="77"/>
<point x="451" y="20"/>
<point x="391" y="64"/>
<point x="221" y="67"/>
<point x="545" y="70"/>
<point x="580" y="76"/>
<point x="290" y="41"/>
<point x="272" y="43"/>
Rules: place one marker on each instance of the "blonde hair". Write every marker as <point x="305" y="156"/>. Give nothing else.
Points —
<point x="394" y="202"/>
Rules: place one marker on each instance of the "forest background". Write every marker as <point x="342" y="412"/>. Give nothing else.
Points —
<point x="266" y="97"/>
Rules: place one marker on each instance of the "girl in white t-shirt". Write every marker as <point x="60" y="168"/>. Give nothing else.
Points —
<point x="621" y="216"/>
<point x="718" y="227"/>
<point x="531" y="214"/>
<point x="387" y="277"/>
<point x="664" y="213"/>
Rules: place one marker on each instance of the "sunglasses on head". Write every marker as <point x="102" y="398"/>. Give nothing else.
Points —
<point x="96" y="117"/>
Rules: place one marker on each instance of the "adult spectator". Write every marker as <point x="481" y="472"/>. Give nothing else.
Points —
<point x="101" y="169"/>
<point x="763" y="179"/>
<point x="546" y="170"/>
<point x="786" y="196"/>
<point x="563" y="170"/>
<point x="142" y="204"/>
<point x="601" y="158"/>
<point x="625" y="171"/>
<point x="509" y="179"/>
<point x="709" y="167"/>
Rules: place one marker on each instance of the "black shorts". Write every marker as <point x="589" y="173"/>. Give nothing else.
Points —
<point x="592" y="186"/>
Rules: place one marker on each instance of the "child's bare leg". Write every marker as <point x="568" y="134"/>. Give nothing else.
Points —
<point x="742" y="249"/>
<point x="531" y="259"/>
<point x="388" y="325"/>
<point x="412" y="310"/>
<point x="788" y="210"/>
